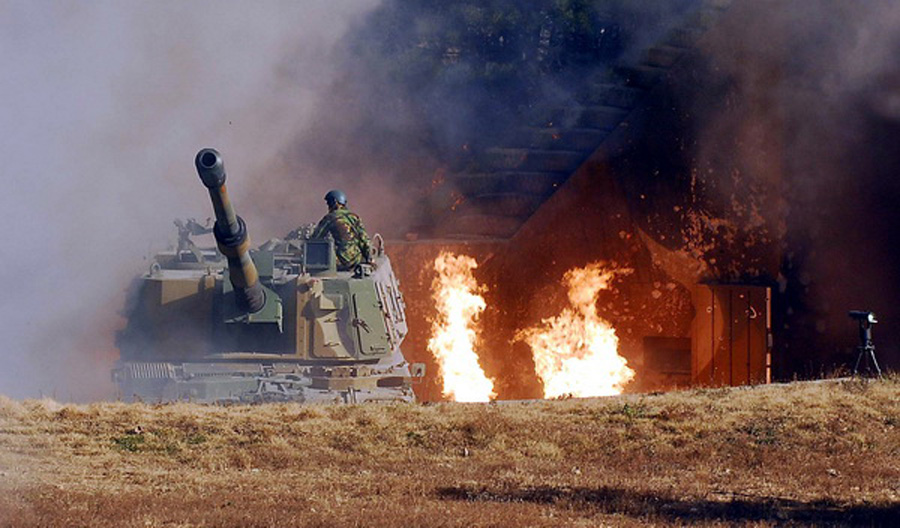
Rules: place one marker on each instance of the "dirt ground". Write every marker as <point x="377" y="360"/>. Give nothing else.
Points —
<point x="824" y="453"/>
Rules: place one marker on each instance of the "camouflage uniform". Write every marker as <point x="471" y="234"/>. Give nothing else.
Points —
<point x="351" y="243"/>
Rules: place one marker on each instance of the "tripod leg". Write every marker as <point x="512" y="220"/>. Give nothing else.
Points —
<point x="875" y="361"/>
<point x="858" y="359"/>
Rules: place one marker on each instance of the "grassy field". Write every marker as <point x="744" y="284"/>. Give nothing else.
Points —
<point x="803" y="454"/>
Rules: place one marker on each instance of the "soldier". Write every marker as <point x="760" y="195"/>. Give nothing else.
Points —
<point x="351" y="243"/>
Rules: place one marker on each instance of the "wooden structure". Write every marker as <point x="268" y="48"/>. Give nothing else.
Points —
<point x="730" y="342"/>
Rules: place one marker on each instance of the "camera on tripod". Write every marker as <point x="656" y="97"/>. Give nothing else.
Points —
<point x="866" y="347"/>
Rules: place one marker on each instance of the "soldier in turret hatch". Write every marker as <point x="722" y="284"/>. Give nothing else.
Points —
<point x="351" y="242"/>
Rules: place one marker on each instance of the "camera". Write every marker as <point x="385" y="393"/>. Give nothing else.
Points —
<point x="866" y="347"/>
<point x="863" y="316"/>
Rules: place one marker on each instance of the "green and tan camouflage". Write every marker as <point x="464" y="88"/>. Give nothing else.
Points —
<point x="351" y="242"/>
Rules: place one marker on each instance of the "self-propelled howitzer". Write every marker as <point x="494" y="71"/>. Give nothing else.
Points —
<point x="278" y="323"/>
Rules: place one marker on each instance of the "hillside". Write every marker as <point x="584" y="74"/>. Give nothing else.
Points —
<point x="810" y="453"/>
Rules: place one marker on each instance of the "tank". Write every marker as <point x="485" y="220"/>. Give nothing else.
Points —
<point x="231" y="324"/>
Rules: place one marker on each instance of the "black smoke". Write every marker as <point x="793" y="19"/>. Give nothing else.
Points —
<point x="772" y="157"/>
<point x="424" y="87"/>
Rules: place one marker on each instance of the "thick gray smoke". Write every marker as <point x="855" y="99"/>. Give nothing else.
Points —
<point x="797" y="119"/>
<point x="426" y="87"/>
<point x="104" y="105"/>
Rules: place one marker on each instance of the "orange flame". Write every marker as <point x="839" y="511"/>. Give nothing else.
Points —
<point x="454" y="336"/>
<point x="576" y="352"/>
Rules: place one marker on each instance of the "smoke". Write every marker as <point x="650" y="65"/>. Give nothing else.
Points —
<point x="425" y="88"/>
<point x="795" y="120"/>
<point x="104" y="106"/>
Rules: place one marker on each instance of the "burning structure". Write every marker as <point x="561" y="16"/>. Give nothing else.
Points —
<point x="680" y="161"/>
<point x="539" y="209"/>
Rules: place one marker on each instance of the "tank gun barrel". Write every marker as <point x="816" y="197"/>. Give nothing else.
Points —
<point x="231" y="233"/>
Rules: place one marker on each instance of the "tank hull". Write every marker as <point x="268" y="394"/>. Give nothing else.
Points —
<point x="231" y="382"/>
<point x="337" y="339"/>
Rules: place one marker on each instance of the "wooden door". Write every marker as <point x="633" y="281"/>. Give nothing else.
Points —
<point x="729" y="341"/>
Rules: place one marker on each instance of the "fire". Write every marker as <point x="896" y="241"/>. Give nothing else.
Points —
<point x="576" y="352"/>
<point x="454" y="336"/>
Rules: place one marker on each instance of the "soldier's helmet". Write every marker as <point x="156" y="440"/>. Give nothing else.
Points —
<point x="335" y="196"/>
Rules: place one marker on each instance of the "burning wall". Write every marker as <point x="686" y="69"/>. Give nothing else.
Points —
<point x="762" y="160"/>
<point x="586" y="220"/>
<point x="640" y="205"/>
<point x="525" y="284"/>
<point x="575" y="353"/>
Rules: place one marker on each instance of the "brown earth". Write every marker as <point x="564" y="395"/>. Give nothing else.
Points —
<point x="802" y="454"/>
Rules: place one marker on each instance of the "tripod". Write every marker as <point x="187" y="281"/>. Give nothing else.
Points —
<point x="866" y="348"/>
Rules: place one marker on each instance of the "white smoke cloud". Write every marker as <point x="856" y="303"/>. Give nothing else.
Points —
<point x="103" y="106"/>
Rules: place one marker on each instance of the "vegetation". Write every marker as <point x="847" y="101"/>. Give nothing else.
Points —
<point x="460" y="72"/>
<point x="807" y="453"/>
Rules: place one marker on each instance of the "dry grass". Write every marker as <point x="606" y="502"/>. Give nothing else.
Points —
<point x="811" y="453"/>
